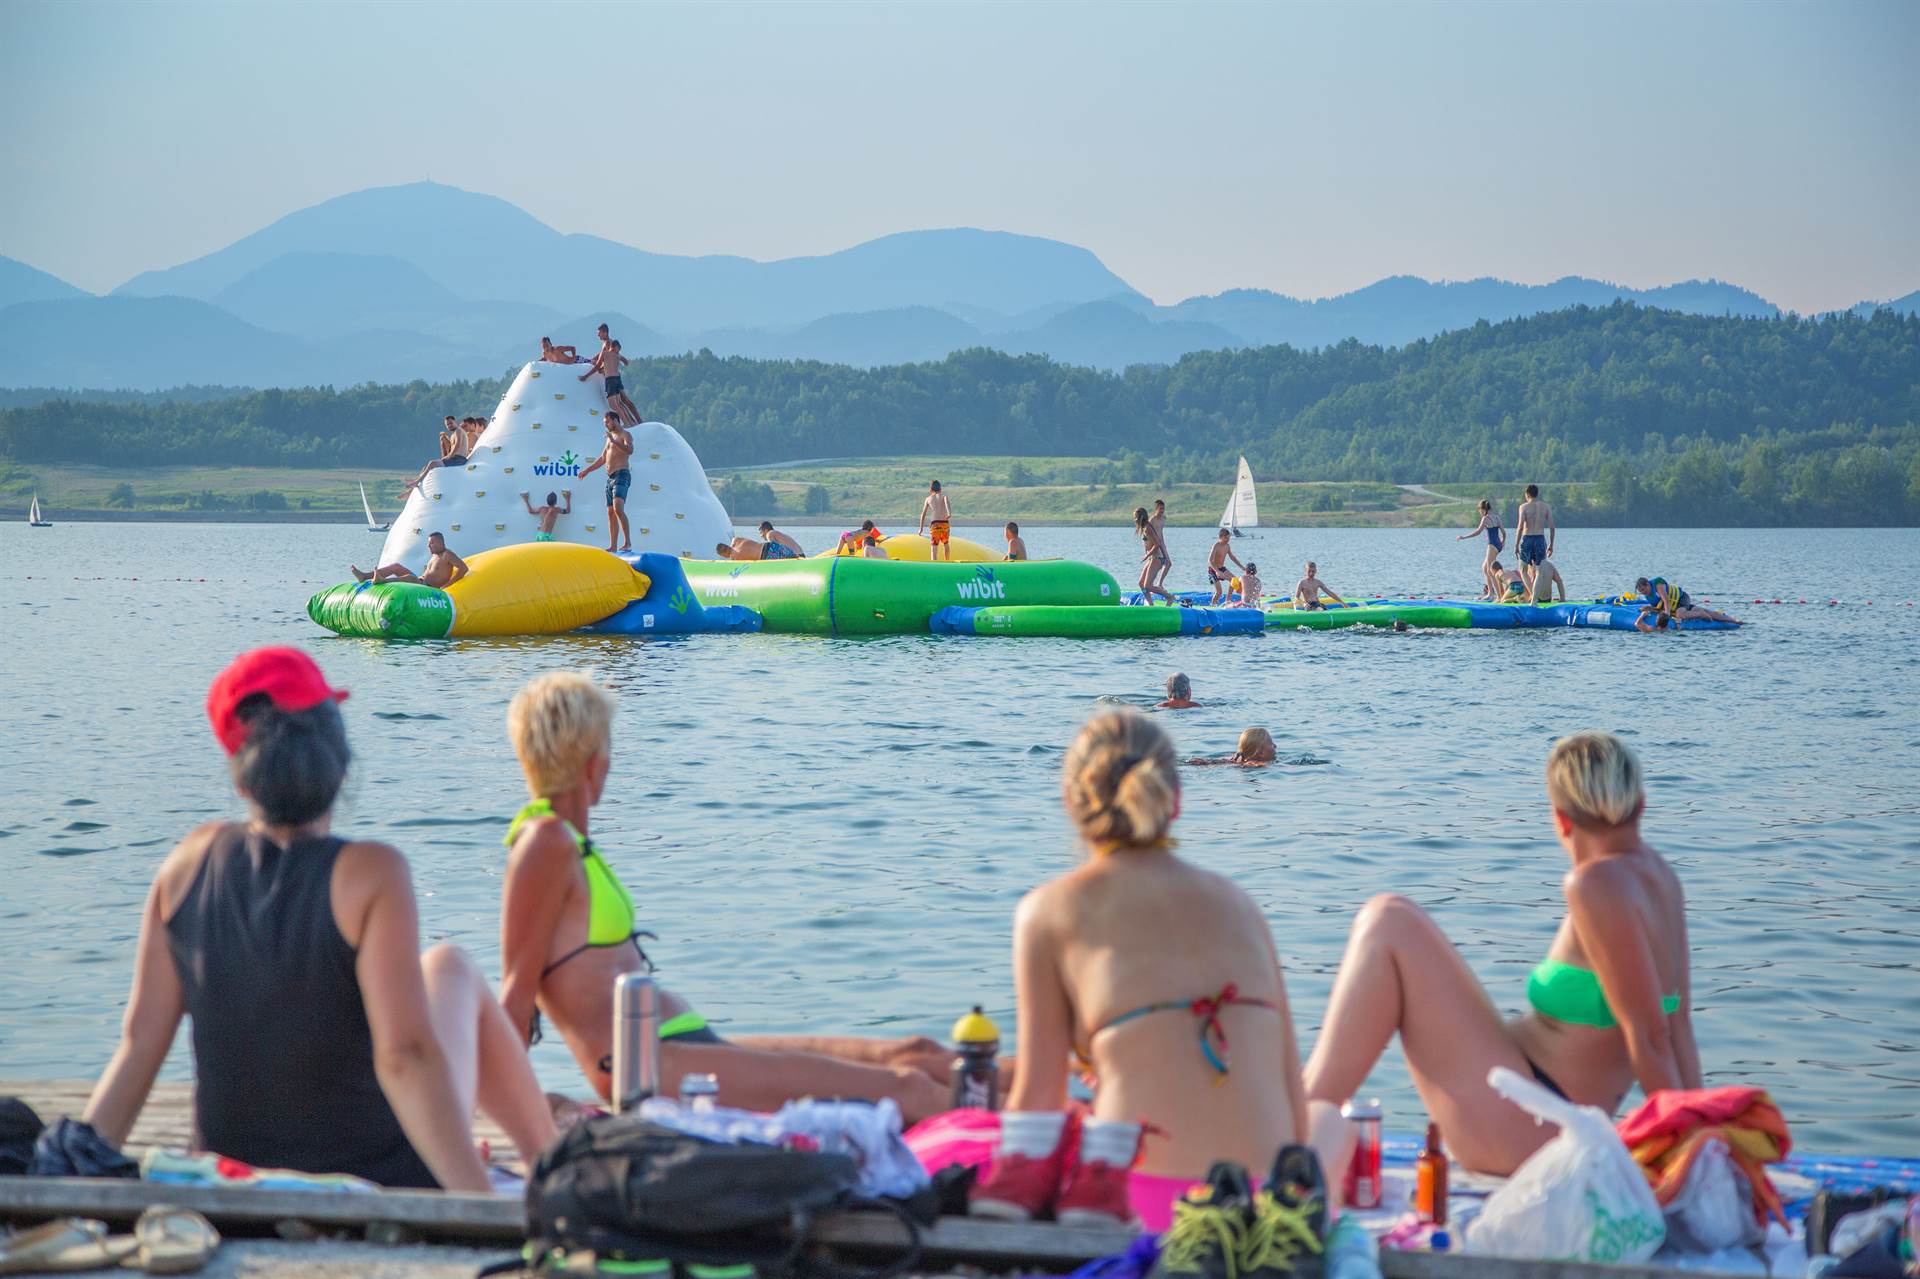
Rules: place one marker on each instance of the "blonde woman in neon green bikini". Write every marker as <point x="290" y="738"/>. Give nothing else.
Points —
<point x="568" y="929"/>
<point x="1610" y="1006"/>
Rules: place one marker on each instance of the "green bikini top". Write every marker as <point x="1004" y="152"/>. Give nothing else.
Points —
<point x="1567" y="993"/>
<point x="610" y="915"/>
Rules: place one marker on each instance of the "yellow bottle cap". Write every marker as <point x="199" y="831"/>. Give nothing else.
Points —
<point x="975" y="1028"/>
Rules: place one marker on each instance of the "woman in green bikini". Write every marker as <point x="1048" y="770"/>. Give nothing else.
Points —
<point x="568" y="929"/>
<point x="1610" y="1006"/>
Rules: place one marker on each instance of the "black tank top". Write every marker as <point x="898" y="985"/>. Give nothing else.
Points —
<point x="281" y="1045"/>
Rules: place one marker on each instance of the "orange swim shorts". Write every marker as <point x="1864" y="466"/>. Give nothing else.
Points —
<point x="942" y="532"/>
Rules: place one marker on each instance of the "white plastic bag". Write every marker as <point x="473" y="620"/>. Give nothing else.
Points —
<point x="1580" y="1197"/>
<point x="1714" y="1207"/>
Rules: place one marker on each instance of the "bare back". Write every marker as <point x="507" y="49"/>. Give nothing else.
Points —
<point x="1532" y="518"/>
<point x="1140" y="927"/>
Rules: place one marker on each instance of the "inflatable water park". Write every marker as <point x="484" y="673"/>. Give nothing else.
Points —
<point x="549" y="427"/>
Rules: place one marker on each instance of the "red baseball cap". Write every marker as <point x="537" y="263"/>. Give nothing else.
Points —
<point x="287" y="676"/>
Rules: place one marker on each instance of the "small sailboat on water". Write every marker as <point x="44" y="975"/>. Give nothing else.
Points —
<point x="1242" y="512"/>
<point x="33" y="515"/>
<point x="371" y="526"/>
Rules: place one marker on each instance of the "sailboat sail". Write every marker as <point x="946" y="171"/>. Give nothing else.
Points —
<point x="364" y="506"/>
<point x="33" y="511"/>
<point x="1242" y="512"/>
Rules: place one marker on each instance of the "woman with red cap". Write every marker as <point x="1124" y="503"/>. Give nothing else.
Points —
<point x="323" y="1040"/>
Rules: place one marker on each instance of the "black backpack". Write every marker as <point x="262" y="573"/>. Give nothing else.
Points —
<point x="624" y="1189"/>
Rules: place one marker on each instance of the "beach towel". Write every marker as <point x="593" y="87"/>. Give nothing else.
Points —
<point x="1671" y="1128"/>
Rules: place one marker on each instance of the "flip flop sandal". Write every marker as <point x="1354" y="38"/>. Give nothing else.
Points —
<point x="173" y="1241"/>
<point x="71" y="1244"/>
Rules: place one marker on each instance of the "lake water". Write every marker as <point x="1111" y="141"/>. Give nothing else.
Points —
<point x="833" y="833"/>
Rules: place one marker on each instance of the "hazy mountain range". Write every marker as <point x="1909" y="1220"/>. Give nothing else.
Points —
<point x="427" y="281"/>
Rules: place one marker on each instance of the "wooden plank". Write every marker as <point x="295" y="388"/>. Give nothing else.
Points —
<point x="430" y="1213"/>
<point x="975" y="1239"/>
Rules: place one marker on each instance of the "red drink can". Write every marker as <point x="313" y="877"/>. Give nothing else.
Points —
<point x="1360" y="1187"/>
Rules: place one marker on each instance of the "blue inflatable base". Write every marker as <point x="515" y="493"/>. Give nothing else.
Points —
<point x="671" y="608"/>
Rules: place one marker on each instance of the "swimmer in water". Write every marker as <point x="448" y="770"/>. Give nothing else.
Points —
<point x="1179" y="694"/>
<point x="1149" y="967"/>
<point x="549" y="514"/>
<point x="1256" y="750"/>
<point x="1669" y="606"/>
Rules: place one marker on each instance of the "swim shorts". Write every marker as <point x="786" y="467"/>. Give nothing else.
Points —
<point x="1215" y="576"/>
<point x="618" y="482"/>
<point x="615" y="386"/>
<point x="942" y="533"/>
<point x="1533" y="548"/>
<point x="543" y="537"/>
<point x="1309" y="605"/>
<point x="777" y="551"/>
<point x="458" y="459"/>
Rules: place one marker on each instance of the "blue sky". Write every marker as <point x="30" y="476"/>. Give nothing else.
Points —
<point x="1194" y="147"/>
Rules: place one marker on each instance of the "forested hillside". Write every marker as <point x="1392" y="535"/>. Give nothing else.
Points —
<point x="1680" y="418"/>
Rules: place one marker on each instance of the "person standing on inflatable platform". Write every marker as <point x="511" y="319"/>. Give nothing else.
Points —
<point x="615" y="457"/>
<point x="1496" y="539"/>
<point x="1534" y="526"/>
<point x="608" y="364"/>
<point x="937" y="510"/>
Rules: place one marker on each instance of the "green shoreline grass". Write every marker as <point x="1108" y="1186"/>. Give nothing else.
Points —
<point x="1053" y="490"/>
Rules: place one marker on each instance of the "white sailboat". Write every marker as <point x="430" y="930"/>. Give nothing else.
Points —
<point x="371" y="526"/>
<point x="33" y="515"/>
<point x="1242" y="512"/>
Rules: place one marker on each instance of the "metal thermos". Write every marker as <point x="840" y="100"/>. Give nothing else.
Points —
<point x="636" y="1040"/>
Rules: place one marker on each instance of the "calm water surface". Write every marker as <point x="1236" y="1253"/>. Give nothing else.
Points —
<point x="833" y="833"/>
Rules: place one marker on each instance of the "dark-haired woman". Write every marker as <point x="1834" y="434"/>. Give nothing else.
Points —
<point x="1154" y="561"/>
<point x="1496" y="539"/>
<point x="322" y="1039"/>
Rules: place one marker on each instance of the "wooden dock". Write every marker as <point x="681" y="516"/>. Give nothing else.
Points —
<point x="411" y="1217"/>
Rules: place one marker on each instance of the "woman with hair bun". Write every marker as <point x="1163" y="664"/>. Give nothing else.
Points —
<point x="323" y="1040"/>
<point x="1163" y="980"/>
<point x="1610" y="1006"/>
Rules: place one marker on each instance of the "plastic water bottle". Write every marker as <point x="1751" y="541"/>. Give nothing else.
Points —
<point x="699" y="1092"/>
<point x="976" y="1064"/>
<point x="636" y="1040"/>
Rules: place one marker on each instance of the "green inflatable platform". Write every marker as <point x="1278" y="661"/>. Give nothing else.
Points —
<point x="391" y="610"/>
<point x="1436" y="615"/>
<point x="849" y="595"/>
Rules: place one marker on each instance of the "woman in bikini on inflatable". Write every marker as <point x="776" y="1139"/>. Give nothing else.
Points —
<point x="568" y="929"/>
<point x="1610" y="1005"/>
<point x="1496" y="539"/>
<point x="1149" y="969"/>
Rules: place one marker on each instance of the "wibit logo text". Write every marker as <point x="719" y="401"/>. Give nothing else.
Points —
<point x="567" y="464"/>
<point x="984" y="586"/>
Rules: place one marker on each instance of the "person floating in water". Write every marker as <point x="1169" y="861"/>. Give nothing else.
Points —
<point x="1256" y="750"/>
<point x="608" y="364"/>
<point x="1610" y="1006"/>
<point x="1016" y="545"/>
<point x="1534" y="526"/>
<point x="1496" y="541"/>
<point x="788" y="549"/>
<point x="548" y="514"/>
<point x="1308" y="590"/>
<point x="1146" y="967"/>
<point x="1668" y="606"/>
<point x="1217" y="556"/>
<point x="551" y="354"/>
<point x="444" y="568"/>
<point x="568" y="929"/>
<point x="616" y="456"/>
<point x="937" y="512"/>
<point x="1179" y="694"/>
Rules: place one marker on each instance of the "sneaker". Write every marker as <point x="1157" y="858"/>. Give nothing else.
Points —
<point x="1287" y="1223"/>
<point x="1095" y="1194"/>
<point x="1209" y="1227"/>
<point x="1016" y="1188"/>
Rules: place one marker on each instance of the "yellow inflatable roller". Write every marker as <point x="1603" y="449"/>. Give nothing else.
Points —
<point x="541" y="588"/>
<point x="915" y="547"/>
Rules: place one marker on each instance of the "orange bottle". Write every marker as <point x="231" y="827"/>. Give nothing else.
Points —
<point x="1430" y="1181"/>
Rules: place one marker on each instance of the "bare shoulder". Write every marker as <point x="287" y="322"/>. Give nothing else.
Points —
<point x="377" y="864"/>
<point x="543" y="844"/>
